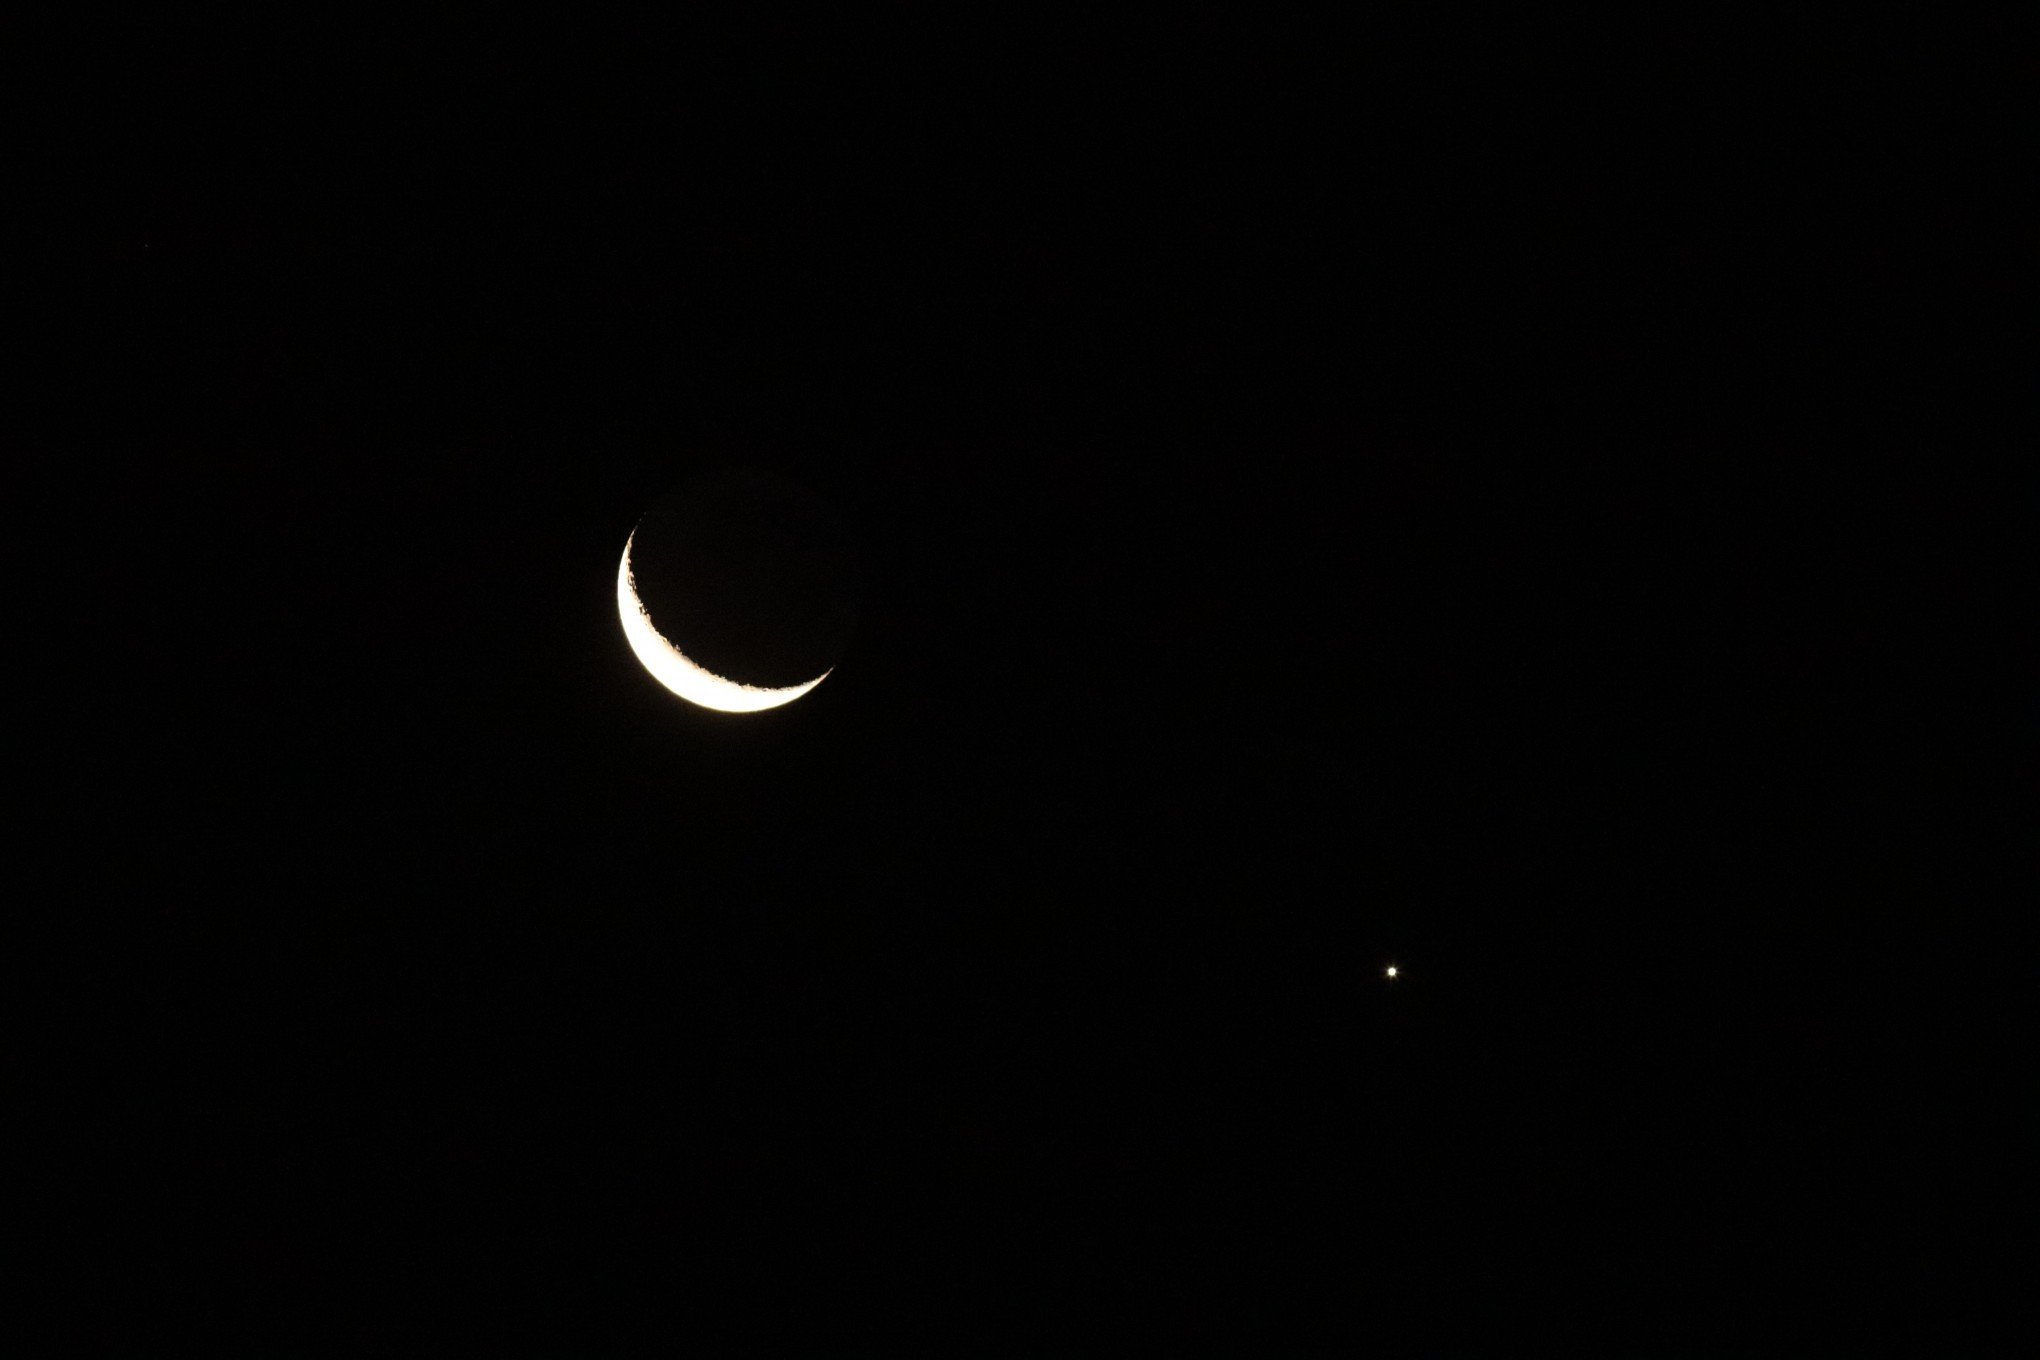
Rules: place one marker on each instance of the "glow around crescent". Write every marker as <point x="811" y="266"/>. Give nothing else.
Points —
<point x="671" y="668"/>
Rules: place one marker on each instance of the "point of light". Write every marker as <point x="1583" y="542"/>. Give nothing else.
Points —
<point x="1390" y="970"/>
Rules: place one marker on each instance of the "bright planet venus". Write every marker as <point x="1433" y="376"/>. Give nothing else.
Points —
<point x="738" y="590"/>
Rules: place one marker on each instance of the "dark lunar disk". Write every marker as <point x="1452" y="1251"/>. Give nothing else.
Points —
<point x="751" y="575"/>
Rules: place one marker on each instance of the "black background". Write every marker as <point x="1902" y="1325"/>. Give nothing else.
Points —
<point x="1328" y="498"/>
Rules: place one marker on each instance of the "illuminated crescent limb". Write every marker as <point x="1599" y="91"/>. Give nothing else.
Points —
<point x="671" y="668"/>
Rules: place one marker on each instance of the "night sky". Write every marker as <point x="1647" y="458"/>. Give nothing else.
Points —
<point x="1325" y="498"/>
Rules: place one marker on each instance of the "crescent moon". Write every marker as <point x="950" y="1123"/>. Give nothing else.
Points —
<point x="671" y="667"/>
